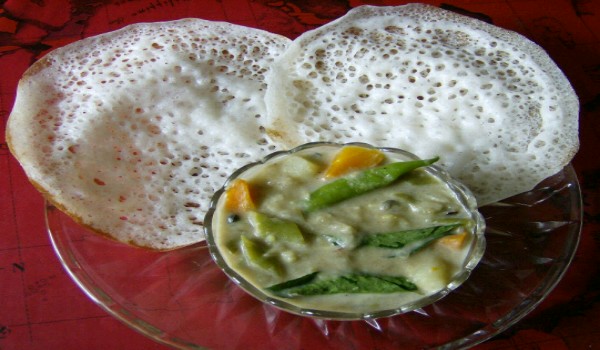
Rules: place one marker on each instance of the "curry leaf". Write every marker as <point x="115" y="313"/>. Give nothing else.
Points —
<point x="352" y="283"/>
<point x="418" y="238"/>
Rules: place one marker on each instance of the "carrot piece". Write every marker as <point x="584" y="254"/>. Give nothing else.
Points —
<point x="454" y="241"/>
<point x="352" y="158"/>
<point x="239" y="197"/>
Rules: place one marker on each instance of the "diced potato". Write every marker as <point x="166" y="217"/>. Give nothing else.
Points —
<point x="289" y="256"/>
<point x="334" y="231"/>
<point x="299" y="168"/>
<point x="239" y="197"/>
<point x="352" y="158"/>
<point x="279" y="205"/>
<point x="440" y="274"/>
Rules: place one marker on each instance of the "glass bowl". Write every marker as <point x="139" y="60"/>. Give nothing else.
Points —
<point x="474" y="251"/>
<point x="181" y="298"/>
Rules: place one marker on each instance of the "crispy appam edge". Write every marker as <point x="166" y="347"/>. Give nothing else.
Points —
<point x="77" y="219"/>
<point x="20" y="117"/>
<point x="282" y="124"/>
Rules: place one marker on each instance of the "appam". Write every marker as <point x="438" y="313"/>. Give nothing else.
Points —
<point x="491" y="103"/>
<point x="130" y="132"/>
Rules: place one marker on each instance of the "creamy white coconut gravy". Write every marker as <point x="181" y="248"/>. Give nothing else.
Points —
<point x="349" y="256"/>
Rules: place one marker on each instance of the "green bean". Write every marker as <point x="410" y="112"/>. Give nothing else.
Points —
<point x="362" y="182"/>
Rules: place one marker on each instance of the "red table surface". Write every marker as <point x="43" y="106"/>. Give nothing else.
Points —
<point x="41" y="308"/>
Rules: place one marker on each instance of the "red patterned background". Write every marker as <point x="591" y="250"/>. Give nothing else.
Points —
<point x="41" y="308"/>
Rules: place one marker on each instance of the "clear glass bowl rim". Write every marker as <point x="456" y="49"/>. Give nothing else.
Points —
<point x="476" y="251"/>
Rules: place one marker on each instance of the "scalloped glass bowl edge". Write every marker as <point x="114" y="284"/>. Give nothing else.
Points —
<point x="464" y="195"/>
